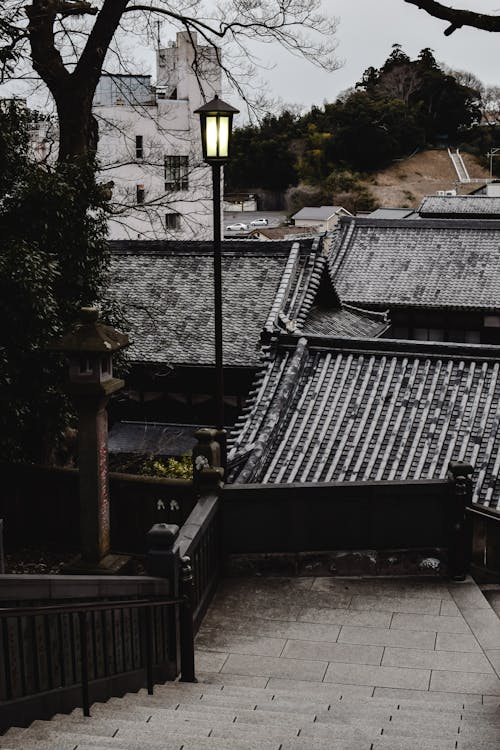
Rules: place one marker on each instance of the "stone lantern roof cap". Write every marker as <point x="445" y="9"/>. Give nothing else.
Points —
<point x="89" y="335"/>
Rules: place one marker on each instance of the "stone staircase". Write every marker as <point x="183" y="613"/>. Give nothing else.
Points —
<point x="236" y="717"/>
<point x="323" y="664"/>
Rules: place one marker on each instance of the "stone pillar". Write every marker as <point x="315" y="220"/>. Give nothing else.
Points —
<point x="93" y="477"/>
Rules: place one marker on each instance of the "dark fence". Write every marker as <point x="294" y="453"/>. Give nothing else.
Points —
<point x="190" y="558"/>
<point x="298" y="518"/>
<point x="200" y="541"/>
<point x="40" y="504"/>
<point x="41" y="650"/>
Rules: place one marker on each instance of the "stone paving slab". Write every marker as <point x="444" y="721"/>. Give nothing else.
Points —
<point x="448" y="607"/>
<point x="275" y="667"/>
<point x="311" y="631"/>
<point x="344" y="616"/>
<point x="431" y="589"/>
<point x="236" y="643"/>
<point x="457" y="642"/>
<point x="442" y="660"/>
<point x="437" y="624"/>
<point x="485" y="625"/>
<point x="409" y="605"/>
<point x="465" y="682"/>
<point x="493" y="656"/>
<point x="333" y="652"/>
<point x="387" y="637"/>
<point x="361" y="674"/>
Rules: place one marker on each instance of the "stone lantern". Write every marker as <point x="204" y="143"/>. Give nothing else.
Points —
<point x="89" y="347"/>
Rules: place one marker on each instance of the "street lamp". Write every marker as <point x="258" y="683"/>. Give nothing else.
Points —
<point x="216" y="119"/>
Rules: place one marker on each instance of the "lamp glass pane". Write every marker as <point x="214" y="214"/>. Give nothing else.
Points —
<point x="211" y="131"/>
<point x="223" y="135"/>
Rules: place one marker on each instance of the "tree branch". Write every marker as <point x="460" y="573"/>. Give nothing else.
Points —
<point x="74" y="8"/>
<point x="89" y="67"/>
<point x="457" y="18"/>
<point x="47" y="60"/>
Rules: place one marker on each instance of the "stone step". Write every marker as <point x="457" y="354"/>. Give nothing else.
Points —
<point x="276" y="702"/>
<point x="310" y="693"/>
<point x="276" y="713"/>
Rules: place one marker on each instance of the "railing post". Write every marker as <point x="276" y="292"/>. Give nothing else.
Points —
<point x="163" y="561"/>
<point x="460" y="478"/>
<point x="82" y="616"/>
<point x="187" y="625"/>
<point x="149" y="650"/>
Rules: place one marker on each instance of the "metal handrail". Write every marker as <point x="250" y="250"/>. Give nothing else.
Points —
<point x="83" y="608"/>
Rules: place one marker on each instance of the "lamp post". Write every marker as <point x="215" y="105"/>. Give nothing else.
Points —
<point x="216" y="119"/>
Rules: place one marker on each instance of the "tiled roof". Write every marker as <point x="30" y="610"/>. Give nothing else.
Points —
<point x="166" y="292"/>
<point x="372" y="410"/>
<point x="468" y="206"/>
<point x="345" y="321"/>
<point x="152" y="438"/>
<point x="392" y="213"/>
<point x="320" y="213"/>
<point x="436" y="263"/>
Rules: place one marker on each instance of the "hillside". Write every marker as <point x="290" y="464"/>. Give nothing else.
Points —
<point x="405" y="183"/>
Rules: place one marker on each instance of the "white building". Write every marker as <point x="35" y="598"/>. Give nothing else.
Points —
<point x="320" y="218"/>
<point x="149" y="145"/>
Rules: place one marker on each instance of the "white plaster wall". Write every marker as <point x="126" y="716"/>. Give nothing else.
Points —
<point x="168" y="127"/>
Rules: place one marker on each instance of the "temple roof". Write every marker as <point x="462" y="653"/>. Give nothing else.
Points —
<point x="433" y="263"/>
<point x="165" y="290"/>
<point x="345" y="410"/>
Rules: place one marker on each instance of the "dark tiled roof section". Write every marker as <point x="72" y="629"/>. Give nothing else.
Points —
<point x="297" y="290"/>
<point x="166" y="291"/>
<point x="482" y="206"/>
<point x="376" y="410"/>
<point x="436" y="263"/>
<point x="392" y="213"/>
<point x="345" y="321"/>
<point x="146" y="438"/>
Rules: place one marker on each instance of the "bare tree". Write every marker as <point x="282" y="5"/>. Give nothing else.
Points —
<point x="457" y="17"/>
<point x="66" y="42"/>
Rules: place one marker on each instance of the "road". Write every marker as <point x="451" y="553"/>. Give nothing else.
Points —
<point x="275" y="218"/>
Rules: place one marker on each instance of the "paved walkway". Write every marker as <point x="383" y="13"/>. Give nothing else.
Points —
<point x="372" y="637"/>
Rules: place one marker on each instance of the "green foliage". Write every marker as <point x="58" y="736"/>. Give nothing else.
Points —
<point x="345" y="188"/>
<point x="170" y="468"/>
<point x="261" y="155"/>
<point x="53" y="260"/>
<point x="392" y="111"/>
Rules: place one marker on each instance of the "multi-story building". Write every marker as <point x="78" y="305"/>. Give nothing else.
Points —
<point x="149" y="144"/>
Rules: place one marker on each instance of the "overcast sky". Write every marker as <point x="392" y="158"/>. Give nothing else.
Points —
<point x="367" y="30"/>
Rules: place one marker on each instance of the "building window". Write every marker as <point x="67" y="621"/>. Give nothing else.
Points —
<point x="176" y="173"/>
<point x="172" y="221"/>
<point x="139" y="147"/>
<point x="491" y="321"/>
<point x="140" y="193"/>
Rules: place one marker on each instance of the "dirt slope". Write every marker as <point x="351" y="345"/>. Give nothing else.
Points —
<point x="405" y="183"/>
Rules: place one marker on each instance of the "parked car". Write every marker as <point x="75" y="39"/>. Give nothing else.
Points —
<point x="259" y="223"/>
<point x="238" y="227"/>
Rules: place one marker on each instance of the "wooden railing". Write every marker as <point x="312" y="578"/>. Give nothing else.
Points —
<point x="114" y="643"/>
<point x="200" y="541"/>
